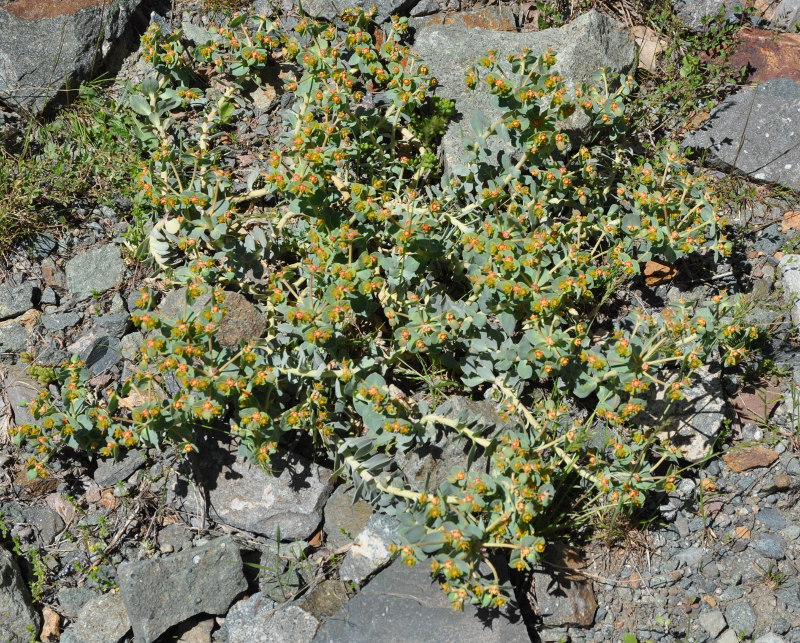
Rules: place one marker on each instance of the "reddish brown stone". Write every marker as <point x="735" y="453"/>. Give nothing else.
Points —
<point x="750" y="458"/>
<point x="38" y="9"/>
<point x="767" y="55"/>
<point x="658" y="272"/>
<point x="757" y="404"/>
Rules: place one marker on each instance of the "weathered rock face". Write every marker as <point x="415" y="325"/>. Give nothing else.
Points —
<point x="330" y="8"/>
<point x="245" y="496"/>
<point x="581" y="48"/>
<point x="370" y="551"/>
<point x="561" y="596"/>
<point x="47" y="46"/>
<point x="94" y="271"/>
<point x="777" y="14"/>
<point x="164" y="592"/>
<point x="755" y="132"/>
<point x="101" y="620"/>
<point x="411" y="609"/>
<point x="259" y="620"/>
<point x="767" y="55"/>
<point x="694" y="423"/>
<point x="16" y="613"/>
<point x="241" y="323"/>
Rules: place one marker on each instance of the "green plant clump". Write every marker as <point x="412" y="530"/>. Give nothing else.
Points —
<point x="366" y="268"/>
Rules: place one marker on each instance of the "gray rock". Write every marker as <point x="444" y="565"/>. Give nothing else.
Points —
<point x="161" y="593"/>
<point x="94" y="271"/>
<point x="72" y="599"/>
<point x="771" y="518"/>
<point x="781" y="625"/>
<point x="436" y="462"/>
<point x="402" y="605"/>
<point x="243" y="495"/>
<point x="129" y="345"/>
<point x="14" y="339"/>
<point x="741" y="617"/>
<point x="344" y="519"/>
<point x="115" y="324"/>
<point x="177" y="535"/>
<point x="425" y="8"/>
<point x="713" y="622"/>
<point x="15" y="299"/>
<point x="47" y="46"/>
<point x="370" y="550"/>
<point x="771" y="546"/>
<point x="728" y="636"/>
<point x="694" y="423"/>
<point x="103" y="353"/>
<point x="20" y="388"/>
<point x="260" y="620"/>
<point x="43" y="245"/>
<point x="102" y="619"/>
<point x="109" y="472"/>
<point x="242" y="321"/>
<point x="786" y="15"/>
<point x="789" y="269"/>
<point x="47" y="523"/>
<point x="693" y="13"/>
<point x="247" y="620"/>
<point x="581" y="48"/>
<point x="770" y="638"/>
<point x="329" y="9"/>
<point x="59" y="321"/>
<point x="16" y="613"/>
<point x="756" y="131"/>
<point x="196" y="34"/>
<point x="690" y="556"/>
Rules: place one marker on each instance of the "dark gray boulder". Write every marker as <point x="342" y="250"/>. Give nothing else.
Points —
<point x="402" y="605"/>
<point x="15" y="299"/>
<point x="17" y="616"/>
<point x="163" y="592"/>
<point x="47" y="47"/>
<point x="755" y="132"/>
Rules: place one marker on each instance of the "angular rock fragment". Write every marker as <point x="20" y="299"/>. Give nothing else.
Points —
<point x="755" y="132"/>
<point x="163" y="592"/>
<point x="101" y="620"/>
<point x="243" y="495"/>
<point x="94" y="271"/>
<point x="407" y="600"/>
<point x="17" y="616"/>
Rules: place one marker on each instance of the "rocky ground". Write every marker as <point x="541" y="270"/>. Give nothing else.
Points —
<point x="155" y="548"/>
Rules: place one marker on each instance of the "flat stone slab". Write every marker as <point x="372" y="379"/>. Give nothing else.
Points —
<point x="94" y="271"/>
<point x="243" y="495"/>
<point x="163" y="592"/>
<point x="755" y="132"/>
<point x="403" y="605"/>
